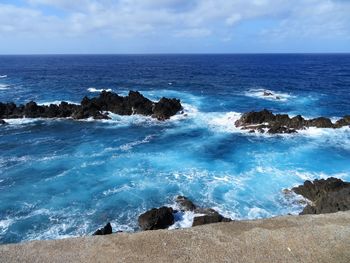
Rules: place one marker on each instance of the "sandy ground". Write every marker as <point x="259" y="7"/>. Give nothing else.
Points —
<point x="321" y="238"/>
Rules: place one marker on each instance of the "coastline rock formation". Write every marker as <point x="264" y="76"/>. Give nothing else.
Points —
<point x="156" y="218"/>
<point x="163" y="217"/>
<point x="96" y="108"/>
<point x="106" y="230"/>
<point x="2" y="122"/>
<point x="282" y="123"/>
<point x="327" y="196"/>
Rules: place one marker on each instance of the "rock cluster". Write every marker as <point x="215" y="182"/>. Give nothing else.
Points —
<point x="282" y="123"/>
<point x="327" y="196"/>
<point x="97" y="108"/>
<point x="162" y="218"/>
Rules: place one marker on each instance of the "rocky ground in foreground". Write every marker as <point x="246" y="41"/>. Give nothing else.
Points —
<point x="309" y="238"/>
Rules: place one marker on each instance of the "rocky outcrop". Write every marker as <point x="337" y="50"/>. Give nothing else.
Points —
<point x="326" y="196"/>
<point x="208" y="216"/>
<point x="156" y="218"/>
<point x="265" y="120"/>
<point x="202" y="216"/>
<point x="106" y="230"/>
<point x="96" y="108"/>
<point x="2" y="122"/>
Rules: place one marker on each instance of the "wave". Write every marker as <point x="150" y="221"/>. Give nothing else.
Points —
<point x="56" y="102"/>
<point x="99" y="90"/>
<point x="268" y="95"/>
<point x="4" y="86"/>
<point x="3" y="76"/>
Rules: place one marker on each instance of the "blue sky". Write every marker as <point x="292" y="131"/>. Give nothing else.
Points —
<point x="173" y="26"/>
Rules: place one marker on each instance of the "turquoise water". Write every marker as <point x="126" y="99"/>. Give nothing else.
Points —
<point x="62" y="178"/>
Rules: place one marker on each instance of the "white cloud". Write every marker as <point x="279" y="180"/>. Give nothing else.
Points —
<point x="187" y="18"/>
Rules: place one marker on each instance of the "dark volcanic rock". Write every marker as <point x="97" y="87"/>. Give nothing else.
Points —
<point x="280" y="129"/>
<point x="321" y="122"/>
<point x="185" y="204"/>
<point x="134" y="103"/>
<point x="208" y="216"/>
<point x="2" y="122"/>
<point x="252" y="118"/>
<point x="345" y="121"/>
<point x="156" y="218"/>
<point x="282" y="123"/>
<point x="166" y="108"/>
<point x="327" y="196"/>
<point x="106" y="230"/>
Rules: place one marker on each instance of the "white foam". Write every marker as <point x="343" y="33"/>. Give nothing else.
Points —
<point x="98" y="90"/>
<point x="56" y="102"/>
<point x="224" y="122"/>
<point x="275" y="96"/>
<point x="257" y="212"/>
<point x="4" y="86"/>
<point x="22" y="121"/>
<point x="4" y="225"/>
<point x="3" y="76"/>
<point x="183" y="220"/>
<point x="129" y="146"/>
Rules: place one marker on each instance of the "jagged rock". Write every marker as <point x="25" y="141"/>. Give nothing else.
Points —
<point x="166" y="108"/>
<point x="280" y="129"/>
<point x="156" y="218"/>
<point x="282" y="123"/>
<point x="321" y="122"/>
<point x="267" y="93"/>
<point x="327" y="196"/>
<point x="345" y="121"/>
<point x="185" y="204"/>
<point x="2" y="122"/>
<point x="134" y="103"/>
<point x="208" y="216"/>
<point x="106" y="230"/>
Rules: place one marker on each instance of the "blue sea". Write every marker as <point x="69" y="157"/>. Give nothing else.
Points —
<point x="65" y="178"/>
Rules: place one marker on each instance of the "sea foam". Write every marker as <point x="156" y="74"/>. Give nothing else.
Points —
<point x="273" y="95"/>
<point x="94" y="90"/>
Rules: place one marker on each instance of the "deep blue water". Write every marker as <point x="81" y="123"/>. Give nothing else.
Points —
<point x="61" y="178"/>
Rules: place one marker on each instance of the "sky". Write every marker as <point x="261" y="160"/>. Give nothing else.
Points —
<point x="174" y="26"/>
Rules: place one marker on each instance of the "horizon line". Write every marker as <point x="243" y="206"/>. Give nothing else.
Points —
<point x="180" y="53"/>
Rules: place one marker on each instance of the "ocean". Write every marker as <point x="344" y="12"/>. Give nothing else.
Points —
<point x="65" y="178"/>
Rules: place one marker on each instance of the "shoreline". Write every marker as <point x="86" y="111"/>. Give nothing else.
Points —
<point x="306" y="238"/>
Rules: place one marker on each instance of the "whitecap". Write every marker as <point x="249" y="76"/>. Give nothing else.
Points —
<point x="268" y="95"/>
<point x="257" y="213"/>
<point x="4" y="225"/>
<point x="56" y="102"/>
<point x="4" y="86"/>
<point x="98" y="90"/>
<point x="22" y="121"/>
<point x="129" y="146"/>
<point x="224" y="122"/>
<point x="3" y="76"/>
<point x="183" y="220"/>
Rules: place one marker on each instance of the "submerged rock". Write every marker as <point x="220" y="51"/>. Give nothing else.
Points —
<point x="156" y="218"/>
<point x="327" y="196"/>
<point x="282" y="123"/>
<point x="106" y="230"/>
<point x="208" y="216"/>
<point x="96" y="108"/>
